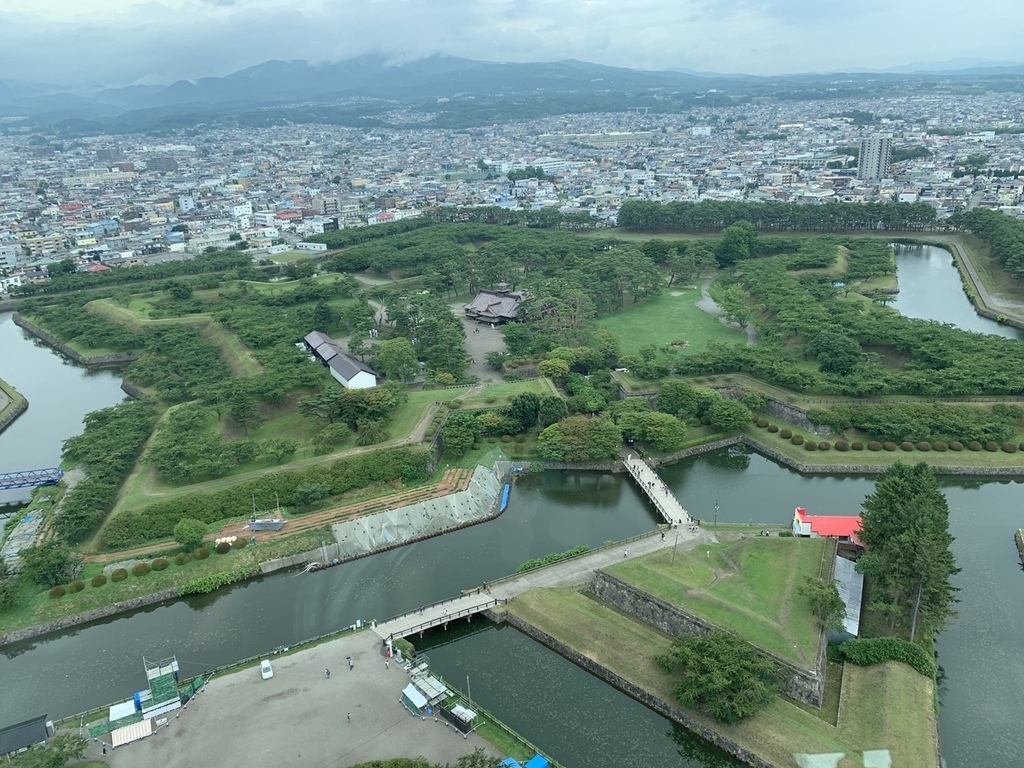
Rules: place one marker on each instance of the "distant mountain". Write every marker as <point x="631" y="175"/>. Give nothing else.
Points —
<point x="301" y="85"/>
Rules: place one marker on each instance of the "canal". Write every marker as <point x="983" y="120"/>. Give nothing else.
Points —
<point x="980" y="708"/>
<point x="59" y="394"/>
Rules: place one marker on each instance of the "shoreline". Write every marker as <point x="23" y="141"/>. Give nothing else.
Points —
<point x="15" y="405"/>
<point x="95" y="361"/>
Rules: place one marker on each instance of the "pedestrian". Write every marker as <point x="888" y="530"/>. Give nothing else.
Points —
<point x="662" y="535"/>
<point x="104" y="750"/>
<point x="625" y="553"/>
<point x="351" y="664"/>
<point x="387" y="664"/>
<point x="350" y="717"/>
<point x="328" y="673"/>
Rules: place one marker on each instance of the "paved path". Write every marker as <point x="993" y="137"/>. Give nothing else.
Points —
<point x="709" y="305"/>
<point x="652" y="485"/>
<point x="568" y="572"/>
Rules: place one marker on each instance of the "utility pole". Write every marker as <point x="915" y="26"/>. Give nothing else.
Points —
<point x="469" y="693"/>
<point x="716" y="513"/>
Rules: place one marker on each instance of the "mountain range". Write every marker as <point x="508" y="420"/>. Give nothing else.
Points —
<point x="374" y="77"/>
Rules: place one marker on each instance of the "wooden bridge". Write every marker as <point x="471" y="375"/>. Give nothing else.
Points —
<point x="652" y="485"/>
<point x="30" y="478"/>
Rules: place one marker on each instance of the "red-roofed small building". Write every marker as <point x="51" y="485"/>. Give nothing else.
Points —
<point x="842" y="527"/>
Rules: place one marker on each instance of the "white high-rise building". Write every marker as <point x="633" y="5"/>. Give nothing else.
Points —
<point x="875" y="157"/>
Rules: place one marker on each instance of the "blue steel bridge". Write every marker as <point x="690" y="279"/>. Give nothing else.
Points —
<point x="30" y="478"/>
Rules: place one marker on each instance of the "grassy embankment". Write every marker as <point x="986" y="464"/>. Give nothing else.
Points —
<point x="888" y="706"/>
<point x="749" y="586"/>
<point x="9" y="398"/>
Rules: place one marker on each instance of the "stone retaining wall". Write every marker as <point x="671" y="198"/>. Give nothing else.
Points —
<point x="803" y="685"/>
<point x="81" y="618"/>
<point x="19" y="408"/>
<point x="658" y="705"/>
<point x="97" y="361"/>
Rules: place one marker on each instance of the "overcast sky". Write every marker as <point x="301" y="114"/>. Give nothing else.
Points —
<point x="118" y="42"/>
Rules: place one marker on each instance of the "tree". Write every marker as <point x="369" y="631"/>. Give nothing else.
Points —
<point x="729" y="415"/>
<point x="459" y="433"/>
<point x="738" y="242"/>
<point x="836" y="352"/>
<point x="905" y="528"/>
<point x="678" y="398"/>
<point x="178" y="290"/>
<point x="826" y="604"/>
<point x="720" y="674"/>
<point x="310" y="493"/>
<point x="525" y="408"/>
<point x="578" y="438"/>
<point x="323" y="316"/>
<point x="189" y="533"/>
<point x="64" y="267"/>
<point x="396" y="359"/>
<point x="553" y="369"/>
<point x="552" y="408"/>
<point x="50" y="563"/>
<point x="57" y="752"/>
<point x="736" y="305"/>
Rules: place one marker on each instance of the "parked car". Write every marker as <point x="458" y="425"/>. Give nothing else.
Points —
<point x="266" y="671"/>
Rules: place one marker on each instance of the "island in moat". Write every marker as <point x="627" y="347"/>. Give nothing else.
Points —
<point x="327" y="397"/>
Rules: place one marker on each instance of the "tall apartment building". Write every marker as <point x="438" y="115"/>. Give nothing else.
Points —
<point x="162" y="164"/>
<point x="875" y="157"/>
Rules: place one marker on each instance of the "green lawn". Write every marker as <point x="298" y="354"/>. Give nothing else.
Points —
<point x="666" y="319"/>
<point x="502" y="394"/>
<point x="748" y="585"/>
<point x="888" y="706"/>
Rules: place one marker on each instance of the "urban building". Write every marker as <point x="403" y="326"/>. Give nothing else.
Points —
<point x="875" y="157"/>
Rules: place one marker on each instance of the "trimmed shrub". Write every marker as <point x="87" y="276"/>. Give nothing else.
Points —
<point x="773" y="428"/>
<point x="874" y="445"/>
<point x="76" y="586"/>
<point x="119" y="574"/>
<point x="140" y="569"/>
<point x="58" y="591"/>
<point x="785" y="534"/>
<point x="518" y="450"/>
<point x="223" y="548"/>
<point x="202" y="553"/>
<point x="956" y="445"/>
<point x="824" y="445"/>
<point x="99" y="580"/>
<point x="705" y="420"/>
<point x="181" y="558"/>
<point x="797" y="439"/>
<point x="1021" y="446"/>
<point x="906" y="445"/>
<point x="492" y="439"/>
<point x="240" y="543"/>
<point x="520" y="438"/>
<point x="991" y="446"/>
<point x="490" y="399"/>
<point x="1009" y="447"/>
<point x="810" y="445"/>
<point x="842" y="445"/>
<point x="974" y="445"/>
<point x="924" y="445"/>
<point x="785" y="433"/>
<point x="454" y="404"/>
<point x="762" y="423"/>
<point x="856" y="445"/>
<point x="889" y="445"/>
<point x="940" y="445"/>
<point x="875" y="650"/>
<point x="506" y="438"/>
<point x="477" y="446"/>
<point x="694" y="422"/>
<point x="160" y="564"/>
<point x="754" y="418"/>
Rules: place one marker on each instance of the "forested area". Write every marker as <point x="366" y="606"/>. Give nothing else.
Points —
<point x="715" y="216"/>
<point x="1005" y="236"/>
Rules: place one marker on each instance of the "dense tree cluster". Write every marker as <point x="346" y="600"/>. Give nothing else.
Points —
<point x="579" y="438"/>
<point x="915" y="422"/>
<point x="716" y="215"/>
<point x="1005" y="236"/>
<point x="905" y="528"/>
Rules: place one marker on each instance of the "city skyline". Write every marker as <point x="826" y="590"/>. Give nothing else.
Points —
<point x="105" y="43"/>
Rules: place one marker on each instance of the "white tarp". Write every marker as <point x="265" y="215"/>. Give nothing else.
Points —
<point x="418" y="700"/>
<point x="124" y="709"/>
<point x="130" y="733"/>
<point x="851" y="589"/>
<point x="464" y="714"/>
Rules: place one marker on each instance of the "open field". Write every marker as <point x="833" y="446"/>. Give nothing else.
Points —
<point x="748" y="585"/>
<point x="666" y="319"/>
<point x="884" y="707"/>
<point x="502" y="394"/>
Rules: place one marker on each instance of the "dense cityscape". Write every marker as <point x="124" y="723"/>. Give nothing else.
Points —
<point x="120" y="201"/>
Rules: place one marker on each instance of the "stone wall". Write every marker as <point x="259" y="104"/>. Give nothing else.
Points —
<point x="8" y="418"/>
<point x="803" y="685"/>
<point x="673" y="713"/>
<point x="97" y="361"/>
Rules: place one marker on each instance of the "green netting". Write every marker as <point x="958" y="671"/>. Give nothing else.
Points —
<point x="191" y="688"/>
<point x="103" y="729"/>
<point x="163" y="688"/>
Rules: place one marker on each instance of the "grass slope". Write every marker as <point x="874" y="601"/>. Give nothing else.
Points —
<point x="748" y="586"/>
<point x="885" y="707"/>
<point x="669" y="318"/>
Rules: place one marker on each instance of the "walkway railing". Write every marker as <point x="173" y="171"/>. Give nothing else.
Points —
<point x="663" y="499"/>
<point x="30" y="478"/>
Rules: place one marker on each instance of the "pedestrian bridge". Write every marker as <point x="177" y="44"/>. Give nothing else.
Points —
<point x="30" y="478"/>
<point x="652" y="485"/>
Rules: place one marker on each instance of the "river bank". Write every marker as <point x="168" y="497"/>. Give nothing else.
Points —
<point x="12" y="405"/>
<point x="93" y="361"/>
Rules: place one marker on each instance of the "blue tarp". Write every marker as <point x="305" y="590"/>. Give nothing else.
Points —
<point x="537" y="761"/>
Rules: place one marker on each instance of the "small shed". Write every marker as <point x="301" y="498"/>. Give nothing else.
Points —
<point x="20" y="736"/>
<point x="413" y="700"/>
<point x="348" y="371"/>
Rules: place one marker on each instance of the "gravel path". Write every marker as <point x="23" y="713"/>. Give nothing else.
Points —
<point x="707" y="304"/>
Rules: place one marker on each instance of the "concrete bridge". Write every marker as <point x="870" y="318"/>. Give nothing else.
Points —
<point x="30" y="478"/>
<point x="575" y="570"/>
<point x="652" y="485"/>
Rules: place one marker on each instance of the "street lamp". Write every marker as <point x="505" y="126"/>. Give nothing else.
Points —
<point x="716" y="513"/>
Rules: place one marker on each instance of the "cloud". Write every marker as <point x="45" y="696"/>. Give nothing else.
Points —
<point x="159" y="41"/>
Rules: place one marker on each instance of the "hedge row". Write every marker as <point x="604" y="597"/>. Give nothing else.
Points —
<point x="156" y="521"/>
<point x="875" y="650"/>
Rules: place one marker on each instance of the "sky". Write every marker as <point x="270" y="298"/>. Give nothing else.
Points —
<point x="120" y="42"/>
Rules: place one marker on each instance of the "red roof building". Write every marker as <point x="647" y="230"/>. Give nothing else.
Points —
<point x="842" y="527"/>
